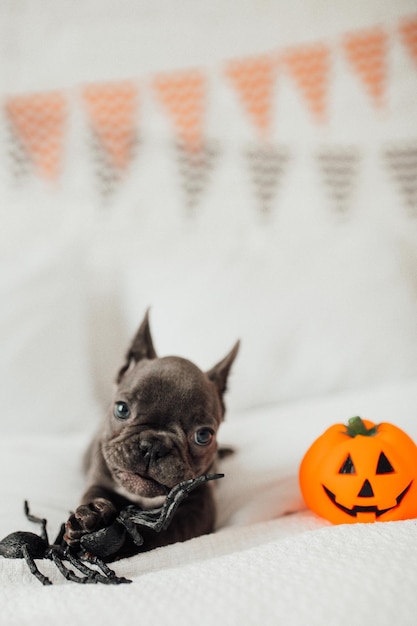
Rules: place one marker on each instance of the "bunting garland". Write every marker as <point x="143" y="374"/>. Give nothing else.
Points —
<point x="408" y="32"/>
<point x="18" y="158"/>
<point x="267" y="164"/>
<point x="367" y="52"/>
<point x="402" y="162"/>
<point x="112" y="114"/>
<point x="38" y="124"/>
<point x="254" y="81"/>
<point x="183" y="96"/>
<point x="194" y="169"/>
<point x="339" y="170"/>
<point x="309" y="66"/>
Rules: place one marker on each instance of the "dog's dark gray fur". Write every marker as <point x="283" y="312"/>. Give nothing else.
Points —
<point x="174" y="412"/>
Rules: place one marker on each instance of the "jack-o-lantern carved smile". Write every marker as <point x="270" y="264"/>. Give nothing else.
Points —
<point x="359" y="508"/>
<point x="361" y="472"/>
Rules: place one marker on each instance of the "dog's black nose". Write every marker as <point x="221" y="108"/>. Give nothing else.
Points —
<point x="152" y="450"/>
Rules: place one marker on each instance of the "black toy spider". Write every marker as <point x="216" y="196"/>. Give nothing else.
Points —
<point x="105" y="543"/>
<point x="29" y="546"/>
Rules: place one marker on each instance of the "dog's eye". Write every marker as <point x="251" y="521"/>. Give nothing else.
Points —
<point x="121" y="410"/>
<point x="203" y="436"/>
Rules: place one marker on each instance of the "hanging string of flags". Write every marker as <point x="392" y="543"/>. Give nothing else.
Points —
<point x="183" y="95"/>
<point x="112" y="111"/>
<point x="339" y="169"/>
<point x="254" y="81"/>
<point x="402" y="163"/>
<point x="37" y="123"/>
<point x="367" y="53"/>
<point x="408" y="31"/>
<point x="310" y="67"/>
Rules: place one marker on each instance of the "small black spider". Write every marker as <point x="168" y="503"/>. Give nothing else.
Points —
<point x="29" y="546"/>
<point x="106" y="543"/>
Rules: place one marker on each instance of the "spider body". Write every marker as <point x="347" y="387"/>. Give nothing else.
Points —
<point x="121" y="538"/>
<point x="11" y="547"/>
<point x="29" y="546"/>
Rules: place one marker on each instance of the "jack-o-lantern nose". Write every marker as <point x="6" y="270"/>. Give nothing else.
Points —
<point x="366" y="490"/>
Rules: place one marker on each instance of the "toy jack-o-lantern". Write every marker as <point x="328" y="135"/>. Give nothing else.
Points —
<point x="361" y="472"/>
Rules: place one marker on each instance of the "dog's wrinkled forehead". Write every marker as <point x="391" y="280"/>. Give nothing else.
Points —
<point x="171" y="384"/>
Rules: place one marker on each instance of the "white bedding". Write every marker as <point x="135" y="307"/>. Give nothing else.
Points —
<point x="270" y="561"/>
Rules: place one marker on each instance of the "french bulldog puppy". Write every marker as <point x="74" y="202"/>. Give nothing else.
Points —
<point x="160" y="430"/>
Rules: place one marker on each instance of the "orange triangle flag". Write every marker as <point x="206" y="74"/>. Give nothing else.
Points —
<point x="310" y="67"/>
<point x="254" y="80"/>
<point x="39" y="120"/>
<point x="408" y="30"/>
<point x="366" y="52"/>
<point x="183" y="95"/>
<point x="112" y="109"/>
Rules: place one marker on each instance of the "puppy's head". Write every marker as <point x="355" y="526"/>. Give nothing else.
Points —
<point x="162" y="426"/>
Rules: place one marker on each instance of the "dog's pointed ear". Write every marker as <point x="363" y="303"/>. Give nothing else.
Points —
<point x="140" y="348"/>
<point x="220" y="372"/>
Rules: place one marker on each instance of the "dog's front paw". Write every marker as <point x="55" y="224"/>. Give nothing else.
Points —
<point x="88" y="518"/>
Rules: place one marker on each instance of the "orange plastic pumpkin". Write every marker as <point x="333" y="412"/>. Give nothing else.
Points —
<point x="361" y="472"/>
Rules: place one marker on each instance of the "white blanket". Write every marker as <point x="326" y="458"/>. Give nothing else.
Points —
<point x="270" y="562"/>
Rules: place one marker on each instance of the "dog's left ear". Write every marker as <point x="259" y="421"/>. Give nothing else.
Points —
<point x="140" y="348"/>
<point x="220" y="372"/>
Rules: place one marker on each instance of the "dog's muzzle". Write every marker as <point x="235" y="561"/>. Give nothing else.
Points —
<point x="152" y="450"/>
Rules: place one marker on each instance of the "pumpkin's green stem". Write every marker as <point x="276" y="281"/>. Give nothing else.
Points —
<point x="356" y="426"/>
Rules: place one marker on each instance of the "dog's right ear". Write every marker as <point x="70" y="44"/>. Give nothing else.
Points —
<point x="140" y="348"/>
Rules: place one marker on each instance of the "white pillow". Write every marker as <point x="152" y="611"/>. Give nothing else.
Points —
<point x="45" y="383"/>
<point x="316" y="312"/>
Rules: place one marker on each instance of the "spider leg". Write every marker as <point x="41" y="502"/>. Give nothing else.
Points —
<point x="159" y="519"/>
<point x="92" y="576"/>
<point x="32" y="566"/>
<point x="107" y="571"/>
<point x="78" y="564"/>
<point x="128" y="523"/>
<point x="68" y="573"/>
<point x="103" y="577"/>
<point x="60" y="536"/>
<point x="37" y="520"/>
<point x="177" y="495"/>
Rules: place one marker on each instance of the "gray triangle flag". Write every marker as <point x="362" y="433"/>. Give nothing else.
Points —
<point x="107" y="175"/>
<point x="267" y="164"/>
<point x="339" y="167"/>
<point x="195" y="168"/>
<point x="402" y="163"/>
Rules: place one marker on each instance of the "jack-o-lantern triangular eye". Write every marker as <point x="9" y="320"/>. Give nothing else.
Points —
<point x="348" y="467"/>
<point x="384" y="466"/>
